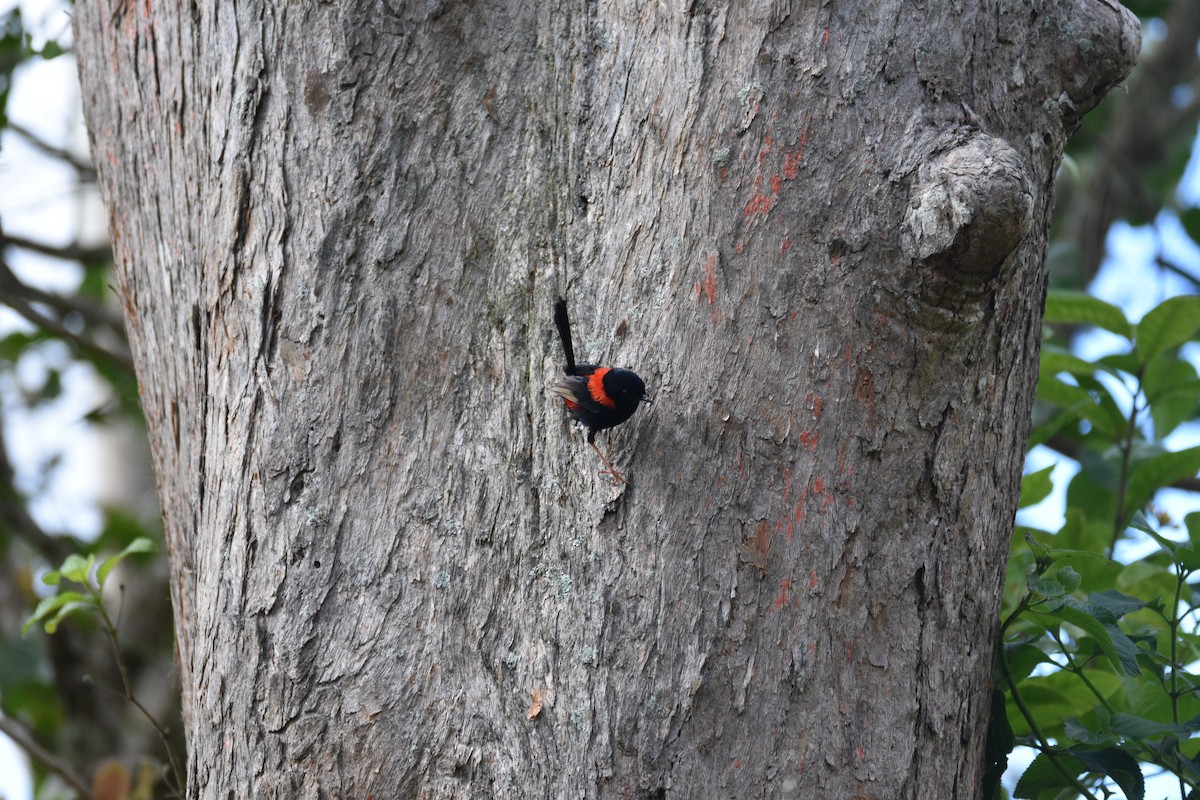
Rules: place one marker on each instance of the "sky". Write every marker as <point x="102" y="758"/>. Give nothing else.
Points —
<point x="39" y="197"/>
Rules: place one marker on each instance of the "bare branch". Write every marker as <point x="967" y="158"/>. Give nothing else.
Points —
<point x="15" y="295"/>
<point x="84" y="168"/>
<point x="1171" y="266"/>
<point x="1073" y="450"/>
<point x="88" y="255"/>
<point x="93" y="313"/>
<point x="24" y="739"/>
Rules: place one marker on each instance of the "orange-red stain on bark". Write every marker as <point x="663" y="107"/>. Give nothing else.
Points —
<point x="708" y="285"/>
<point x="765" y="151"/>
<point x="809" y="440"/>
<point x="864" y="389"/>
<point x="818" y="403"/>
<point x="787" y="245"/>
<point x="792" y="159"/>
<point x="759" y="205"/>
<point x="782" y="598"/>
<point x="812" y="584"/>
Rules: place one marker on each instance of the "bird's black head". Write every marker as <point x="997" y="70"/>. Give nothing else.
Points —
<point x="626" y="388"/>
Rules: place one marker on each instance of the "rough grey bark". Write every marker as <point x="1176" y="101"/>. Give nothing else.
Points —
<point x="817" y="230"/>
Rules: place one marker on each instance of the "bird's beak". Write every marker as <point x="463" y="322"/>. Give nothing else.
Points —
<point x="647" y="399"/>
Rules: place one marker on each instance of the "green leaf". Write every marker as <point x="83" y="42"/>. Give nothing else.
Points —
<point x="66" y="610"/>
<point x="1041" y="553"/>
<point x="1190" y="219"/>
<point x="52" y="606"/>
<point x="1069" y="578"/>
<point x="1043" y="776"/>
<point x="1120" y="362"/>
<point x="1055" y="360"/>
<point x="1045" y="431"/>
<point x="1175" y="406"/>
<point x="1104" y="399"/>
<point x="139" y="545"/>
<point x="1060" y="584"/>
<point x="1093" y="496"/>
<point x="1078" y="533"/>
<point x="1024" y="659"/>
<point x="1131" y="726"/>
<point x="1165" y="374"/>
<point x="1080" y="403"/>
<point x="1115" y="602"/>
<point x="1166" y="326"/>
<point x="1100" y="625"/>
<point x="1118" y="765"/>
<point x="1192" y="523"/>
<point x="1076" y="730"/>
<point x="1148" y="476"/>
<point x="1060" y="695"/>
<point x="16" y="344"/>
<point x="1077" y="308"/>
<point x="1036" y="487"/>
<point x="1182" y="553"/>
<point x="74" y="568"/>
<point x="52" y="50"/>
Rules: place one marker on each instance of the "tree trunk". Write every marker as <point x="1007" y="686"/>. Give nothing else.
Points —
<point x="817" y="233"/>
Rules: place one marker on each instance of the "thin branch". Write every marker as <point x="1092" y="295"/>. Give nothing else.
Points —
<point x="1171" y="266"/>
<point x="72" y="252"/>
<point x="12" y="293"/>
<point x="84" y="168"/>
<point x="92" y="312"/>
<point x="1064" y="445"/>
<point x="27" y="311"/>
<point x="1044" y="746"/>
<point x="24" y="739"/>
<point x="127" y="683"/>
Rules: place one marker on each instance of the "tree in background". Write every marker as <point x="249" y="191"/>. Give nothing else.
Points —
<point x="66" y="374"/>
<point x="546" y="571"/>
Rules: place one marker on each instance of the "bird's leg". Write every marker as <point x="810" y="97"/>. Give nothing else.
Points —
<point x="609" y="470"/>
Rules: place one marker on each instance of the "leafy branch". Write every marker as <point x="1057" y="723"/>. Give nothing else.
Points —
<point x="1094" y="654"/>
<point x="89" y="599"/>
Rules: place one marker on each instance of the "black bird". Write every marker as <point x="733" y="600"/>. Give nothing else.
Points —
<point x="599" y="397"/>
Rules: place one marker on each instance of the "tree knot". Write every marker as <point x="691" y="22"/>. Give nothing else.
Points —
<point x="969" y="208"/>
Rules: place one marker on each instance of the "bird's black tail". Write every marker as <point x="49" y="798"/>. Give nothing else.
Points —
<point x="564" y="332"/>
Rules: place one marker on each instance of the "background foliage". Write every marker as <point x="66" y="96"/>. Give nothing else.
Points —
<point x="1096" y="679"/>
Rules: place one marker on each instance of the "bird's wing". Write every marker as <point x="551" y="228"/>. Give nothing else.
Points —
<point x="574" y="389"/>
